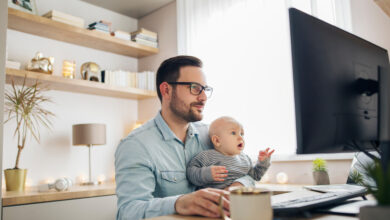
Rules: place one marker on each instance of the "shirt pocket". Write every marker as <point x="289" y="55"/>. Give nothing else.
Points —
<point x="174" y="183"/>
<point x="173" y="176"/>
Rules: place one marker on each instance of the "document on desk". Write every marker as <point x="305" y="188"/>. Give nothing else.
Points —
<point x="292" y="195"/>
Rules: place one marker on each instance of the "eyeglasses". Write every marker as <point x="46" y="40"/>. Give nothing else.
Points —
<point x="195" y="88"/>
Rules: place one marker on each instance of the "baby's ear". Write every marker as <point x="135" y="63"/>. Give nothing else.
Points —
<point x="215" y="140"/>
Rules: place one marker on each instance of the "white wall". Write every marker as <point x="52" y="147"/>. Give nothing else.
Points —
<point x="3" y="35"/>
<point x="370" y="22"/>
<point x="162" y="21"/>
<point x="55" y="156"/>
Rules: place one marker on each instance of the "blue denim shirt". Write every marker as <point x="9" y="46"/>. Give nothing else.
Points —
<point x="150" y="168"/>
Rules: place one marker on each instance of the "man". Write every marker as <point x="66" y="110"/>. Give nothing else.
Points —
<point x="151" y="162"/>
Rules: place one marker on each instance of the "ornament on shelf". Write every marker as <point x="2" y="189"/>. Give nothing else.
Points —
<point x="41" y="64"/>
<point x="69" y="69"/>
<point x="90" y="71"/>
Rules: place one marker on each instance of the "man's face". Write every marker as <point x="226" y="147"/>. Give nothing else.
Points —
<point x="185" y="105"/>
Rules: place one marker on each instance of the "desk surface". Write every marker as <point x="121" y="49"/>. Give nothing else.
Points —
<point x="277" y="189"/>
<point x="314" y="217"/>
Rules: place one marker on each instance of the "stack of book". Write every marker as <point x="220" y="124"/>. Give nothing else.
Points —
<point x="101" y="26"/>
<point x="64" y="18"/>
<point x="144" y="80"/>
<point x="122" y="35"/>
<point x="145" y="37"/>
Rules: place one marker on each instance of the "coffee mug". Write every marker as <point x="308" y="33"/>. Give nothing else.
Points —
<point x="248" y="203"/>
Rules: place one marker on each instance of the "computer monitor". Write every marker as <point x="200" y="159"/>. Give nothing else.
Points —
<point x="340" y="88"/>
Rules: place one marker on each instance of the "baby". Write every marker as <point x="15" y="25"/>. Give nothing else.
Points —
<point x="221" y="166"/>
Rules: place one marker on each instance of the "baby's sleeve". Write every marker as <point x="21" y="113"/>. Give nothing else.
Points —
<point x="259" y="169"/>
<point x="198" y="173"/>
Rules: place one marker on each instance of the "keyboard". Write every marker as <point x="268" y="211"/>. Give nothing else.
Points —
<point x="310" y="200"/>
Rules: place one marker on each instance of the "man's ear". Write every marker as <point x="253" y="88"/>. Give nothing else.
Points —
<point x="215" y="140"/>
<point x="165" y="90"/>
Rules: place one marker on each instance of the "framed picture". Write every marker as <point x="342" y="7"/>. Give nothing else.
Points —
<point x="23" y="5"/>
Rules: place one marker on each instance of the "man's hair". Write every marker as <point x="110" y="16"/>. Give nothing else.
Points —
<point x="169" y="70"/>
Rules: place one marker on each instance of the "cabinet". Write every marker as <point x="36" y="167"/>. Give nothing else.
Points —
<point x="81" y="202"/>
<point x="45" y="27"/>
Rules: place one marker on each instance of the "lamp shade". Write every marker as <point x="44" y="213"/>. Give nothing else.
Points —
<point x="89" y="134"/>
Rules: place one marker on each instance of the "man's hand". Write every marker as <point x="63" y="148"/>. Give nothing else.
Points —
<point x="265" y="154"/>
<point x="203" y="202"/>
<point x="218" y="173"/>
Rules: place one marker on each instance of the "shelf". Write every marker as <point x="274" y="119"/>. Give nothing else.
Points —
<point x="77" y="85"/>
<point x="385" y="5"/>
<point x="45" y="27"/>
<point x="31" y="195"/>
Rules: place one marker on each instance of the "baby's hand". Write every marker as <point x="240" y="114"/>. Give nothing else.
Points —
<point x="218" y="173"/>
<point x="263" y="155"/>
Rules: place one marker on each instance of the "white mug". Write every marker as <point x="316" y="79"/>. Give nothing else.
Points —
<point x="248" y="203"/>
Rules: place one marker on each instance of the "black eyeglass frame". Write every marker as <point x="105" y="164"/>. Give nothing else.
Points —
<point x="207" y="89"/>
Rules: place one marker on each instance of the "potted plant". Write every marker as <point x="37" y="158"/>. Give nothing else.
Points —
<point x="320" y="173"/>
<point x="381" y="191"/>
<point x="23" y="106"/>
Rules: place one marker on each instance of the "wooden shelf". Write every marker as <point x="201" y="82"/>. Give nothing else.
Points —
<point x="45" y="27"/>
<point x="385" y="5"/>
<point x="77" y="85"/>
<point x="31" y="195"/>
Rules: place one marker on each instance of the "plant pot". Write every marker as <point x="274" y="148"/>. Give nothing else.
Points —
<point x="15" y="179"/>
<point x="321" y="178"/>
<point x="374" y="212"/>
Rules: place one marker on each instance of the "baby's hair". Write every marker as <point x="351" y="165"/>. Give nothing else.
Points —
<point x="215" y="126"/>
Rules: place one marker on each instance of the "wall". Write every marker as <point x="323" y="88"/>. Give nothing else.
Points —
<point x="55" y="156"/>
<point x="300" y="171"/>
<point x="162" y="21"/>
<point x="370" y="22"/>
<point x="3" y="35"/>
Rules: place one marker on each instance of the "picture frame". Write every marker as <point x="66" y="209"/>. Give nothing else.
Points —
<point x="28" y="6"/>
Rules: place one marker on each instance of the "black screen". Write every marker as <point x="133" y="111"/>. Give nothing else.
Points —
<point x="336" y="86"/>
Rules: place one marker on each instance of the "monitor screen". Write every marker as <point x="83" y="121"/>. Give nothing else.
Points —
<point x="336" y="86"/>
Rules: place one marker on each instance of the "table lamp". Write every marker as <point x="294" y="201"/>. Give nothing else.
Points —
<point x="89" y="134"/>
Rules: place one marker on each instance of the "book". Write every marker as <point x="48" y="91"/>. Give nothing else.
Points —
<point x="100" y="31"/>
<point x="98" y="28"/>
<point x="145" y="37"/>
<point x="12" y="64"/>
<point x="67" y="22"/>
<point x="145" y="32"/>
<point x="101" y="23"/>
<point x="122" y="35"/>
<point x="62" y="15"/>
<point x="146" y="42"/>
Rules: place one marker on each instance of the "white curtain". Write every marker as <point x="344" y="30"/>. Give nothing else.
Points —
<point x="245" y="47"/>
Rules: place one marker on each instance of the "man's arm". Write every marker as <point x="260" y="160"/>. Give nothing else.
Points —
<point x="135" y="183"/>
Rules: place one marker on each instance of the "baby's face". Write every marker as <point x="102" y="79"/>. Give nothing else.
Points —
<point x="231" y="137"/>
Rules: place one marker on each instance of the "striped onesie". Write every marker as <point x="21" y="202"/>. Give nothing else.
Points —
<point x="199" y="170"/>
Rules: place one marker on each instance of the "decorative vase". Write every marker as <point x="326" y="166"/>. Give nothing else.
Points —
<point x="321" y="178"/>
<point x="374" y="212"/>
<point x="15" y="179"/>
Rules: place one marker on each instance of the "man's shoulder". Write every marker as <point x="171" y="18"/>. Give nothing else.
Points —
<point x="148" y="132"/>
<point x="201" y="126"/>
<point x="147" y="129"/>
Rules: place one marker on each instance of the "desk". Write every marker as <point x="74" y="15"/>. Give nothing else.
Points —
<point x="277" y="189"/>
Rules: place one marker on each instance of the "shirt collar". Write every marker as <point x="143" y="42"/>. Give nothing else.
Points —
<point x="167" y="133"/>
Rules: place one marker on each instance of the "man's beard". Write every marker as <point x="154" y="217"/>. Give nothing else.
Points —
<point x="184" y="112"/>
